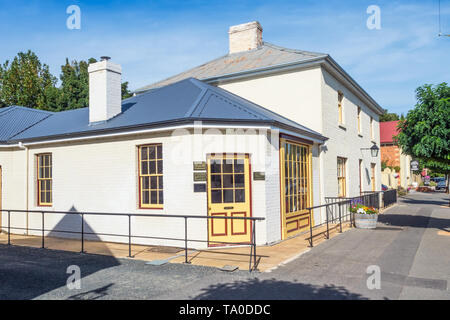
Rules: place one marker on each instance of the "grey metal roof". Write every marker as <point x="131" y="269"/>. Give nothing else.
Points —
<point x="15" y="119"/>
<point x="265" y="56"/>
<point x="184" y="101"/>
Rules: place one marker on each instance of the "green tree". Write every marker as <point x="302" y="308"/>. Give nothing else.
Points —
<point x="425" y="132"/>
<point x="74" y="84"/>
<point x="27" y="82"/>
<point x="125" y="92"/>
<point x="389" y="117"/>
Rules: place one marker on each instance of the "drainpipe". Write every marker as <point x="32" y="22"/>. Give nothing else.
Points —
<point x="21" y="146"/>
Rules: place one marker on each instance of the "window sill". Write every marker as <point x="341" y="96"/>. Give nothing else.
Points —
<point x="151" y="208"/>
<point x="342" y="127"/>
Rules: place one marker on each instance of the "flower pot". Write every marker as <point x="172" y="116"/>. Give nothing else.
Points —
<point x="365" y="221"/>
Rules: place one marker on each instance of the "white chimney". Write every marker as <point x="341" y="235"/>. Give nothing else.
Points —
<point x="244" y="37"/>
<point x="105" y="90"/>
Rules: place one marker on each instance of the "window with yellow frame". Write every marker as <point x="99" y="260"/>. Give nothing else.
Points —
<point x="151" y="195"/>
<point x="44" y="179"/>
<point x="341" y="174"/>
<point x="340" y="106"/>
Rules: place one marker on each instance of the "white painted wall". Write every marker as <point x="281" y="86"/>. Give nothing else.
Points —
<point x="294" y="95"/>
<point x="310" y="97"/>
<point x="102" y="176"/>
<point x="345" y="141"/>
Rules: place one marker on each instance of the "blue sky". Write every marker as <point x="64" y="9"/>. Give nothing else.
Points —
<point x="153" y="40"/>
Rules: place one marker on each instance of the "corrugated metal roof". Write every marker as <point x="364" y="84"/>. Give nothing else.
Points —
<point x="15" y="119"/>
<point x="265" y="56"/>
<point x="186" y="100"/>
<point x="388" y="130"/>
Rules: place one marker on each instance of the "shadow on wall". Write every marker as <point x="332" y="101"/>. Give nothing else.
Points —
<point x="70" y="224"/>
<point x="272" y="289"/>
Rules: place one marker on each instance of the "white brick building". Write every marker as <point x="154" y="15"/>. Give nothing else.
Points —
<point x="186" y="147"/>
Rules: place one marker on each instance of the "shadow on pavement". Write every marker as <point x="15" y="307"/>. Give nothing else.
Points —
<point x="93" y="294"/>
<point x="414" y="221"/>
<point x="27" y="273"/>
<point x="444" y="201"/>
<point x="272" y="289"/>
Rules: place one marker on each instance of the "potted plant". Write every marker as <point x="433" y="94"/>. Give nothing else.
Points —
<point x="364" y="217"/>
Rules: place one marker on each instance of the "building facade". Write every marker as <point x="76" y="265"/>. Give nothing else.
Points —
<point x="268" y="132"/>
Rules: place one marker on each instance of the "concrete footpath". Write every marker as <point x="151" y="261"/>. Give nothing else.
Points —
<point x="410" y="247"/>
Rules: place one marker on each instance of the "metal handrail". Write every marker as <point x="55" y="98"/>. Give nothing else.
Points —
<point x="252" y="245"/>
<point x="327" y="222"/>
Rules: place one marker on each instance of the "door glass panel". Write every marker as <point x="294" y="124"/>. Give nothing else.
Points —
<point x="216" y="196"/>
<point x="228" y="196"/>
<point x="239" y="166"/>
<point x="228" y="181"/>
<point x="216" y="181"/>
<point x="240" y="195"/>
<point x="239" y="180"/>
<point x="216" y="166"/>
<point x="227" y="166"/>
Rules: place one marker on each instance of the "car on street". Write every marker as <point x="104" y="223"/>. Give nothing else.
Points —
<point x="441" y="185"/>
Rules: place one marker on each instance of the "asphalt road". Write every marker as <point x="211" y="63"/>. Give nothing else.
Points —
<point x="413" y="259"/>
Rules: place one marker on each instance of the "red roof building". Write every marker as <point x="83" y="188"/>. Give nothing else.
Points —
<point x="390" y="152"/>
<point x="387" y="131"/>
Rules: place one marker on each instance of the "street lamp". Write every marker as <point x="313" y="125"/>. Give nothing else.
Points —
<point x="373" y="150"/>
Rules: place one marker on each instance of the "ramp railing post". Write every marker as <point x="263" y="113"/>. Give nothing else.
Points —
<point x="310" y="229"/>
<point x="328" y="229"/>
<point x="254" y="244"/>
<point x="340" y="217"/>
<point x="43" y="229"/>
<point x="129" y="236"/>
<point x="9" y="228"/>
<point x="82" y="233"/>
<point x="185" y="240"/>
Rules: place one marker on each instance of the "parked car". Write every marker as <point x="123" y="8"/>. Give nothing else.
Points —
<point x="441" y="185"/>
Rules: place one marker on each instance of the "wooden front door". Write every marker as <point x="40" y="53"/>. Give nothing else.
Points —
<point x="229" y="196"/>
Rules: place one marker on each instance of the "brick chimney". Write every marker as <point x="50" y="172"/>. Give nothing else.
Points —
<point x="244" y="37"/>
<point x="105" y="90"/>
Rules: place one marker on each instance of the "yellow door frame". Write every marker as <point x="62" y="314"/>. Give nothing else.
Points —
<point x="300" y="214"/>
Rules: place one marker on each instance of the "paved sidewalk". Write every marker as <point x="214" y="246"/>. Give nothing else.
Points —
<point x="268" y="257"/>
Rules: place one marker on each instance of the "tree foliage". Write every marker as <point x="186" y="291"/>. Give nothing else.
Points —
<point x="389" y="117"/>
<point x="27" y="82"/>
<point x="425" y="132"/>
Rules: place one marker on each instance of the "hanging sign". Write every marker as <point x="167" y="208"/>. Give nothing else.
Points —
<point x="414" y="165"/>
